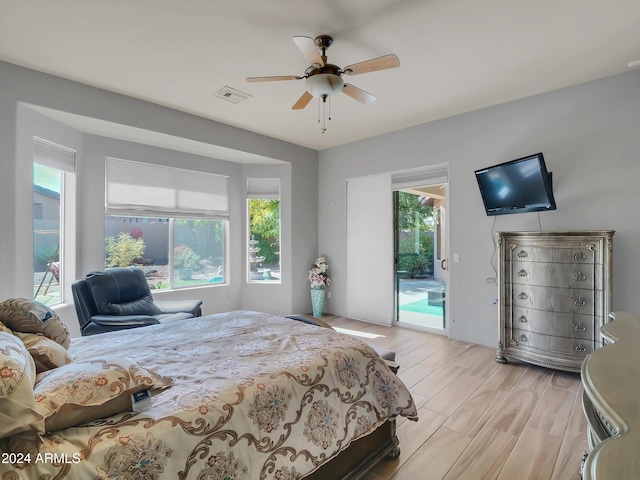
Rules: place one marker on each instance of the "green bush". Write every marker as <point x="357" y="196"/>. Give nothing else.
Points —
<point x="416" y="263"/>
<point x="184" y="258"/>
<point x="44" y="256"/>
<point x="122" y="251"/>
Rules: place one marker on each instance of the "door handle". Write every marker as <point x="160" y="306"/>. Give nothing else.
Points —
<point x="443" y="264"/>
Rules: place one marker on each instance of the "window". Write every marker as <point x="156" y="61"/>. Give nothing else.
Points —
<point x="263" y="253"/>
<point x="53" y="169"/>
<point x="197" y="247"/>
<point x="170" y="222"/>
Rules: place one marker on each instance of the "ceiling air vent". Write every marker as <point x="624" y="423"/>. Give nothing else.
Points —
<point x="231" y="95"/>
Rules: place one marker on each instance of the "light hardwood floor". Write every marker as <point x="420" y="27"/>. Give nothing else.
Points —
<point x="478" y="419"/>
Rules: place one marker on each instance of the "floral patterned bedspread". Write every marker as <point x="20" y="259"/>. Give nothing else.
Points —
<point x="255" y="396"/>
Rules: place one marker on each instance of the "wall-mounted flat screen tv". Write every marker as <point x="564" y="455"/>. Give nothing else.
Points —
<point x="521" y="185"/>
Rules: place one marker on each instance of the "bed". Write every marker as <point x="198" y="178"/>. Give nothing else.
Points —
<point x="242" y="395"/>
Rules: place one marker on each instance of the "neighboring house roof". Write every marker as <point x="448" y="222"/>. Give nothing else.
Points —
<point x="46" y="192"/>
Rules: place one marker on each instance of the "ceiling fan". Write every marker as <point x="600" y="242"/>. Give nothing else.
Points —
<point x="323" y="79"/>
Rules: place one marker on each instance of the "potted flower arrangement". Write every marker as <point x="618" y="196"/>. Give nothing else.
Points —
<point x="318" y="279"/>
<point x="184" y="261"/>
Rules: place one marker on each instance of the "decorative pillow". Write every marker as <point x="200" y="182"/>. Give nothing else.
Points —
<point x="46" y="353"/>
<point x="81" y="392"/>
<point x="29" y="316"/>
<point x="18" y="411"/>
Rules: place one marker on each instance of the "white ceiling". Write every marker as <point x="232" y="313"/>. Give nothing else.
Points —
<point x="455" y="55"/>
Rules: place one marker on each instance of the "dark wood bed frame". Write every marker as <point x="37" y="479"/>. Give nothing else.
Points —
<point x="361" y="455"/>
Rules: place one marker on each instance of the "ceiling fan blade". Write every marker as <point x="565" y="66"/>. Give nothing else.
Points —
<point x="308" y="48"/>
<point x="303" y="101"/>
<point x="274" y="79"/>
<point x="358" y="94"/>
<point x="373" y="65"/>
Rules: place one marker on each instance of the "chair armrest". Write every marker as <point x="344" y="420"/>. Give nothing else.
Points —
<point x="124" y="320"/>
<point x="179" y="306"/>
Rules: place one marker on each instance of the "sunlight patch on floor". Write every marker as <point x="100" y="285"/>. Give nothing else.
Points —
<point x="357" y="333"/>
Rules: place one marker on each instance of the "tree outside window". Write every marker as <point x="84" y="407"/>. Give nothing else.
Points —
<point x="264" y="240"/>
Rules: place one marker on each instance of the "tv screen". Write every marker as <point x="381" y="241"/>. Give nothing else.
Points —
<point x="521" y="185"/>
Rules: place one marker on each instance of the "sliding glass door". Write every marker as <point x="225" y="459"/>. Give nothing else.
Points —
<point x="420" y="256"/>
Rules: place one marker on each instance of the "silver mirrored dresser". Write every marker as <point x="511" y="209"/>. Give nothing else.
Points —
<point x="611" y="402"/>
<point x="555" y="293"/>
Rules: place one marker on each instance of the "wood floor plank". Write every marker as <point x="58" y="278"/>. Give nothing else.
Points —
<point x="577" y="421"/>
<point x="533" y="457"/>
<point x="412" y="375"/>
<point x="566" y="380"/>
<point x="474" y="413"/>
<point x="471" y="355"/>
<point x="444" y="355"/>
<point x="535" y="378"/>
<point x="485" y="456"/>
<point x="514" y="412"/>
<point x="412" y="436"/>
<point x="451" y="397"/>
<point x="435" y="458"/>
<point x="567" y="467"/>
<point x="552" y="413"/>
<point x="485" y="365"/>
<point x="443" y="376"/>
<point x="520" y="422"/>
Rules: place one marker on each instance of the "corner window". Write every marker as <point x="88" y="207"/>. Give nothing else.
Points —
<point x="170" y="222"/>
<point x="263" y="244"/>
<point x="53" y="169"/>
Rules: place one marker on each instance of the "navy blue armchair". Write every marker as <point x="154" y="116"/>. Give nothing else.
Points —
<point x="120" y="298"/>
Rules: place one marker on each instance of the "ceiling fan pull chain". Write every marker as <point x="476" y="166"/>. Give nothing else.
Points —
<point x="323" y="100"/>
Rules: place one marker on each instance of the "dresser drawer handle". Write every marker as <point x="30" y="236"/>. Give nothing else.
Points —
<point x="579" y="256"/>
<point x="579" y="302"/>
<point x="523" y="338"/>
<point x="580" y="277"/>
<point x="522" y="254"/>
<point x="580" y="327"/>
<point x="522" y="273"/>
<point x="522" y="319"/>
<point x="523" y="296"/>
<point x="581" y="348"/>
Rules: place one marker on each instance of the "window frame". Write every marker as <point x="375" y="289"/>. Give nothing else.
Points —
<point x="61" y="158"/>
<point x="262" y="189"/>
<point x="171" y="270"/>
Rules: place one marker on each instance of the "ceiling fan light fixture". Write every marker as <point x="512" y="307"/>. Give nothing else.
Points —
<point x="324" y="84"/>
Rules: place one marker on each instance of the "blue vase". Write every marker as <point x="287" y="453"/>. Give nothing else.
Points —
<point x="317" y="301"/>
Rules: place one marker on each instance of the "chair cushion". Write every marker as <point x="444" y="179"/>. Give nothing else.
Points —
<point x="121" y="291"/>
<point x="172" y="317"/>
<point x="176" y="306"/>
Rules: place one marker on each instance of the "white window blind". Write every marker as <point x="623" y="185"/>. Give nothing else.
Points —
<point x="53" y="156"/>
<point x="263" y="188"/>
<point x="420" y="177"/>
<point x="142" y="189"/>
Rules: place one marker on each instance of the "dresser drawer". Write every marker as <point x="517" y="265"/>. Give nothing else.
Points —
<point x="555" y="275"/>
<point x="570" y="325"/>
<point x="547" y="343"/>
<point x="563" y="300"/>
<point x="561" y="253"/>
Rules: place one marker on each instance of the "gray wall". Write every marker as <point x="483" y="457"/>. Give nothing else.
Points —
<point x="20" y="86"/>
<point x="590" y="137"/>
